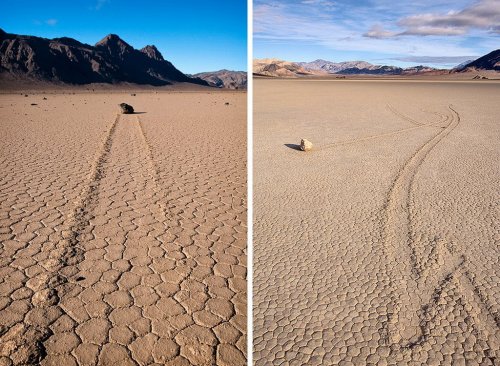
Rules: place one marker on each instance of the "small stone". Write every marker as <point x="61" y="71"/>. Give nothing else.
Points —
<point x="305" y="145"/>
<point x="126" y="108"/>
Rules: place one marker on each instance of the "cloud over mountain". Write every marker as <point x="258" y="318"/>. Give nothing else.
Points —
<point x="484" y="15"/>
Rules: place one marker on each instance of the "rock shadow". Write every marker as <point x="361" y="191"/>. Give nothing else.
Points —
<point x="293" y="146"/>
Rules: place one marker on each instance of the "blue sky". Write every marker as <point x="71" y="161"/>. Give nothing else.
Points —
<point x="439" y="33"/>
<point x="195" y="35"/>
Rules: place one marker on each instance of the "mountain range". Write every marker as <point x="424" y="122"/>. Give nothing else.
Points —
<point x="280" y="68"/>
<point x="346" y="67"/>
<point x="276" y="67"/>
<point x="66" y="60"/>
<point x="224" y="79"/>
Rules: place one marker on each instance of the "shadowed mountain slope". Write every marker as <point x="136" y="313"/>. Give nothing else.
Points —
<point x="67" y="60"/>
<point x="491" y="61"/>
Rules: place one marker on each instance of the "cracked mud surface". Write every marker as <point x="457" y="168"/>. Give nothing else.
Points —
<point x="380" y="246"/>
<point x="123" y="237"/>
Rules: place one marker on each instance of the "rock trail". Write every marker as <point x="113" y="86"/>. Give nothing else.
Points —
<point x="426" y="272"/>
<point x="23" y="343"/>
<point x="417" y="125"/>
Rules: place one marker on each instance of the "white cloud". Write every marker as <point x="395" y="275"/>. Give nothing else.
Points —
<point x="324" y="3"/>
<point x="279" y="22"/>
<point x="445" y="60"/>
<point x="484" y="15"/>
<point x="377" y="31"/>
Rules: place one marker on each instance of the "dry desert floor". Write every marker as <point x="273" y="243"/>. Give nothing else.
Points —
<point x="123" y="237"/>
<point x="379" y="246"/>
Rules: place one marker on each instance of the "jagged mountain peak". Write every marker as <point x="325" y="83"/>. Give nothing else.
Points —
<point x="114" y="44"/>
<point x="152" y="52"/>
<point x="110" y="38"/>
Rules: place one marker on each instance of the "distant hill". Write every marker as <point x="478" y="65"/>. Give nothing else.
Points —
<point x="275" y="67"/>
<point x="280" y="68"/>
<point x="335" y="67"/>
<point x="373" y="70"/>
<point x="224" y="79"/>
<point x="491" y="61"/>
<point x="420" y="69"/>
<point x="361" y="68"/>
<point x="67" y="60"/>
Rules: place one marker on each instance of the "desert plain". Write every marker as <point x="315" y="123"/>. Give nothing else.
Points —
<point x="380" y="245"/>
<point x="123" y="237"/>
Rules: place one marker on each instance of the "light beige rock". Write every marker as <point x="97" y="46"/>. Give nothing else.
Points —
<point x="305" y="145"/>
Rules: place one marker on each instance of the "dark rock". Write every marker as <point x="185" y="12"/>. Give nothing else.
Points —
<point x="126" y="108"/>
<point x="34" y="104"/>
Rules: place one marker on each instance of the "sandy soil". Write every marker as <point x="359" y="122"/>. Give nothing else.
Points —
<point x="123" y="237"/>
<point x="380" y="246"/>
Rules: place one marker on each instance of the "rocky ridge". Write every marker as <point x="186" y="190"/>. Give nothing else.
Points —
<point x="66" y="60"/>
